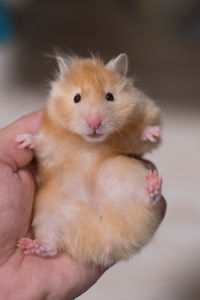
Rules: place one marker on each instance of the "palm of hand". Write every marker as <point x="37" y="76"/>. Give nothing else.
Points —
<point x="30" y="277"/>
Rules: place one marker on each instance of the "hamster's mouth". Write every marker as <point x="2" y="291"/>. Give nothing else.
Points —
<point x="95" y="136"/>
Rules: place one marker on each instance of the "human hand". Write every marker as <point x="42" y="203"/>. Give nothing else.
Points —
<point x="30" y="277"/>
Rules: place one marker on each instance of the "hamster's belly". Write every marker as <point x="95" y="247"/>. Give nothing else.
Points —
<point x="121" y="181"/>
<point x="103" y="217"/>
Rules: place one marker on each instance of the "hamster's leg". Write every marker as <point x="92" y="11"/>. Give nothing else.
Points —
<point x="25" y="141"/>
<point x="31" y="247"/>
<point x="150" y="132"/>
<point x="154" y="184"/>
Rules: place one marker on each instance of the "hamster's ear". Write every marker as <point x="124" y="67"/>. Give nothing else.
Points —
<point x="62" y="65"/>
<point x="119" y="64"/>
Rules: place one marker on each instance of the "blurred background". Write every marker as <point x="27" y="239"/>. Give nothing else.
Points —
<point x="162" y="40"/>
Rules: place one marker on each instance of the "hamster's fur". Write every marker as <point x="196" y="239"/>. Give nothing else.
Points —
<point x="92" y="201"/>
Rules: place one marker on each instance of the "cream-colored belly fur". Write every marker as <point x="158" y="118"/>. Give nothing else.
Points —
<point x="102" y="217"/>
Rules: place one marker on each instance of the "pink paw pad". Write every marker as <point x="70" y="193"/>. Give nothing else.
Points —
<point x="154" y="184"/>
<point x="150" y="132"/>
<point x="25" y="141"/>
<point x="31" y="247"/>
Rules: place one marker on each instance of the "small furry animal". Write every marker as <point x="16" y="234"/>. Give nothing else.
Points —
<point x="94" y="201"/>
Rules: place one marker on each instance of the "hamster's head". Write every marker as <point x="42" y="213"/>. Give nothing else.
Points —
<point x="90" y="98"/>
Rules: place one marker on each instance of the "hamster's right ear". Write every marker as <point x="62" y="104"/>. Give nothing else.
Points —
<point x="63" y="65"/>
<point x="119" y="64"/>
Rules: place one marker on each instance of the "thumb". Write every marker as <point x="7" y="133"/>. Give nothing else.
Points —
<point x="10" y="153"/>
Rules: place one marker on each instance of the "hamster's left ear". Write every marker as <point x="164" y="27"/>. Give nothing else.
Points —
<point x="119" y="64"/>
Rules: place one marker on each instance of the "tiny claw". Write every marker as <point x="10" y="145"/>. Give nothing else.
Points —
<point x="25" y="141"/>
<point x="31" y="247"/>
<point x="153" y="187"/>
<point x="150" y="132"/>
<point x="151" y="138"/>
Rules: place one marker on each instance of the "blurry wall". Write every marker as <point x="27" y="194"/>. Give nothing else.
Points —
<point x="162" y="39"/>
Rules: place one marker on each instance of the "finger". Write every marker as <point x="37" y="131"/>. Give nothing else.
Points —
<point x="10" y="150"/>
<point x="16" y="194"/>
<point x="147" y="164"/>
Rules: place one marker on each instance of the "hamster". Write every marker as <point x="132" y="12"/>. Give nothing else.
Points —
<point x="94" y="202"/>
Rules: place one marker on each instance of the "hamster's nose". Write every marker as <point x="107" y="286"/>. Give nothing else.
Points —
<point x="94" y="122"/>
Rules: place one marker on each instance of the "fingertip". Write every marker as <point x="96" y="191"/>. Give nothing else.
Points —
<point x="13" y="153"/>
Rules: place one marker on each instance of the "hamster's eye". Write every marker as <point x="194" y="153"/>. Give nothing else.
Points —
<point x="109" y="97"/>
<point x="77" y="98"/>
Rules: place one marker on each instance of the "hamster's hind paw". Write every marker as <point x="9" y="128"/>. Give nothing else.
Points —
<point x="150" y="132"/>
<point x="31" y="247"/>
<point x="25" y="141"/>
<point x="153" y="187"/>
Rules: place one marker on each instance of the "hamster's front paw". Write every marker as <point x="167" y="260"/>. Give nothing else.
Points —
<point x="150" y="132"/>
<point x="154" y="184"/>
<point x="25" y="141"/>
<point x="32" y="247"/>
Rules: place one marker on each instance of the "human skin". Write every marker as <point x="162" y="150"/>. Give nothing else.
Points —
<point x="31" y="277"/>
